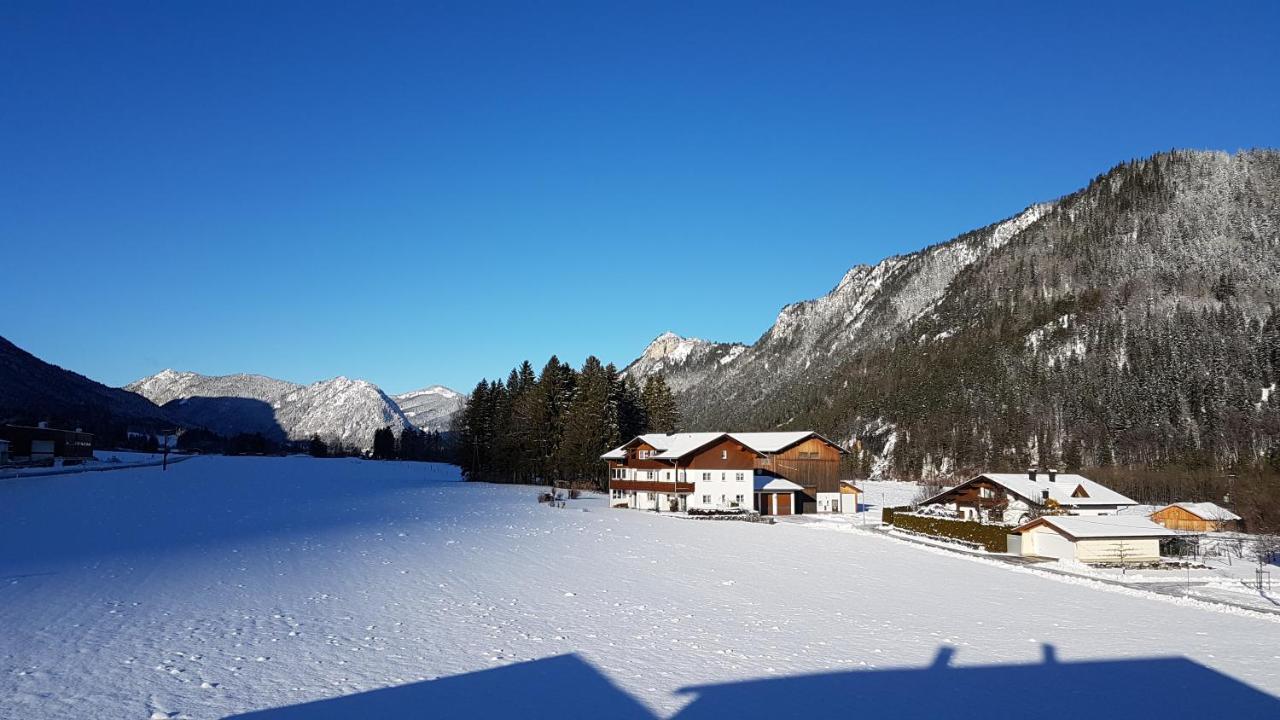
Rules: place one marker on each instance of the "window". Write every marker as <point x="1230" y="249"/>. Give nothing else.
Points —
<point x="807" y="455"/>
<point x="706" y="477"/>
<point x="742" y="477"/>
<point x="986" y="492"/>
<point x="724" y="454"/>
<point x="706" y="499"/>
<point x="739" y="499"/>
<point x="649" y="474"/>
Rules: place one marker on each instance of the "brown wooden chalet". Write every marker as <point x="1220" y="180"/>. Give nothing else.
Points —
<point x="771" y="472"/>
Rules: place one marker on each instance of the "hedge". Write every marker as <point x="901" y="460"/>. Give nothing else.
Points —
<point x="995" y="538"/>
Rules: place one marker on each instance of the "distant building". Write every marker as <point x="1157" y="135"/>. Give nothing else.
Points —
<point x="773" y="473"/>
<point x="1197" y="517"/>
<point x="34" y="444"/>
<point x="1014" y="498"/>
<point x="1091" y="538"/>
<point x="4" y="451"/>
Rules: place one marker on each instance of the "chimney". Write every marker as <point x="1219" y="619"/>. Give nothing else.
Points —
<point x="1031" y="474"/>
<point x="1053" y="474"/>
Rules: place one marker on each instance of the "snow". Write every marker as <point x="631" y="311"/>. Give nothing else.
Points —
<point x="440" y="390"/>
<point x="381" y="589"/>
<point x="1103" y="526"/>
<point x="1207" y="510"/>
<point x="1061" y="489"/>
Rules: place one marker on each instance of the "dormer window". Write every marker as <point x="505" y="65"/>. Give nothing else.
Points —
<point x="1080" y="492"/>
<point x="724" y="454"/>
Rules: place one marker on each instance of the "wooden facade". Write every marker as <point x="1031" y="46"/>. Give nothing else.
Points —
<point x="1175" y="517"/>
<point x="723" y="454"/>
<point x="814" y="464"/>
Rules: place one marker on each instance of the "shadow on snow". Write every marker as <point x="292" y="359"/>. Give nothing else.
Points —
<point x="567" y="687"/>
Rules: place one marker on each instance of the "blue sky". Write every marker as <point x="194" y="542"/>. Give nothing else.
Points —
<point x="418" y="193"/>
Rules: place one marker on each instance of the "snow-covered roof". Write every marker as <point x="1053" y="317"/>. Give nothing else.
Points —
<point x="677" y="445"/>
<point x="1205" y="510"/>
<point x="1100" y="526"/>
<point x="1062" y="490"/>
<point x="768" y="442"/>
<point x="769" y="483"/>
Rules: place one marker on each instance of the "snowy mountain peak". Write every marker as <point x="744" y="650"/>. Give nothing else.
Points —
<point x="431" y="408"/>
<point x="440" y="390"/>
<point x="672" y="347"/>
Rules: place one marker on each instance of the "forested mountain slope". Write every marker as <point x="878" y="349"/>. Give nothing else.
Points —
<point x="1129" y="324"/>
<point x="32" y="390"/>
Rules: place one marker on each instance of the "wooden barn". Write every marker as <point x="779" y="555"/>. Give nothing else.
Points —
<point x="1197" y="517"/>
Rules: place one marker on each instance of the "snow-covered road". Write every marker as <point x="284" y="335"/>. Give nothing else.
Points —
<point x="229" y="585"/>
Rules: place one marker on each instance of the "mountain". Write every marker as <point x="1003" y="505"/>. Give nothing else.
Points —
<point x="431" y="408"/>
<point x="683" y="362"/>
<point x="32" y="390"/>
<point x="1130" y="323"/>
<point x="342" y="410"/>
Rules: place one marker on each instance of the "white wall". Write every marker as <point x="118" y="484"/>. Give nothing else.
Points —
<point x="1109" y="549"/>
<point x="723" y="488"/>
<point x="825" y="501"/>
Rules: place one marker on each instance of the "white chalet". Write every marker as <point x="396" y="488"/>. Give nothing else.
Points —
<point x="773" y="473"/>
<point x="1013" y="498"/>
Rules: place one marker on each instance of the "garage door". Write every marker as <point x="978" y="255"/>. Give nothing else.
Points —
<point x="784" y="503"/>
<point x="1051" y="544"/>
<point x="41" y="448"/>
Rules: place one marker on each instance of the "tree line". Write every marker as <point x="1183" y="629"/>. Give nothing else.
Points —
<point x="553" y="426"/>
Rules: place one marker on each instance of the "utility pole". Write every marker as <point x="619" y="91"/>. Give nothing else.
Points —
<point x="171" y="433"/>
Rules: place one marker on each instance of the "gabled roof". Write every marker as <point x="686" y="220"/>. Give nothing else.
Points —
<point x="676" y="445"/>
<point x="679" y="443"/>
<point x="772" y="442"/>
<point x="1082" y="527"/>
<point x="770" y="483"/>
<point x="1064" y="490"/>
<point x="1204" y="510"/>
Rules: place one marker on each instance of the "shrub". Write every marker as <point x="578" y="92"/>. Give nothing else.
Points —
<point x="993" y="537"/>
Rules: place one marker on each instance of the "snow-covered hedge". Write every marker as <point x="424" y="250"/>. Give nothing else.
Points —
<point x="993" y="537"/>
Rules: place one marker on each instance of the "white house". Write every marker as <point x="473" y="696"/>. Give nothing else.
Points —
<point x="773" y="473"/>
<point x="1013" y="498"/>
<point x="1090" y="538"/>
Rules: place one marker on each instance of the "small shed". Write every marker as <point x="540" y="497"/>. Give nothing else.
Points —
<point x="775" y="495"/>
<point x="1196" y="517"/>
<point x="850" y="497"/>
<point x="1093" y="538"/>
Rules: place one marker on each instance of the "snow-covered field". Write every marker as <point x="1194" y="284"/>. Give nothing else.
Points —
<point x="232" y="585"/>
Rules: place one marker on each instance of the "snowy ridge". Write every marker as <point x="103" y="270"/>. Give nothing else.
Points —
<point x="431" y="408"/>
<point x="870" y="304"/>
<point x="341" y="409"/>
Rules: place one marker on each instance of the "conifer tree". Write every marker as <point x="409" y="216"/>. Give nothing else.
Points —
<point x="660" y="406"/>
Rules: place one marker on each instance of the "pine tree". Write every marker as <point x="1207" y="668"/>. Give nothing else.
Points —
<point x="317" y="447"/>
<point x="660" y="406"/>
<point x="590" y="424"/>
<point x="384" y="443"/>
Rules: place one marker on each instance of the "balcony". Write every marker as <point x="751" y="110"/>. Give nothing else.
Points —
<point x="660" y="486"/>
